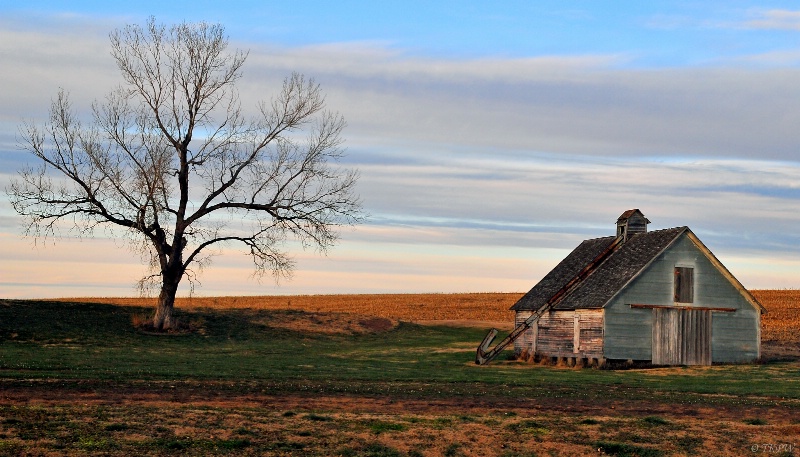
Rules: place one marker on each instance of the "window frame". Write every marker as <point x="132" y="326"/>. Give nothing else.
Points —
<point x="683" y="284"/>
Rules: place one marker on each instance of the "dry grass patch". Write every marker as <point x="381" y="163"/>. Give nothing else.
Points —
<point x="406" y="307"/>
<point x="327" y="323"/>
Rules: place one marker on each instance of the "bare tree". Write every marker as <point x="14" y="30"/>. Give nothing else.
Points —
<point x="170" y="162"/>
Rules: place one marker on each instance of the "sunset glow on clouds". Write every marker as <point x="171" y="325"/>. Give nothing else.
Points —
<point x="490" y="140"/>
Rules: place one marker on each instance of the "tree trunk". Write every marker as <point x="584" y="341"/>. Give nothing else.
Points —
<point x="163" y="320"/>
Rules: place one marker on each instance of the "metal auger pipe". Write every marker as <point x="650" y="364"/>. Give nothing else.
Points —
<point x="484" y="355"/>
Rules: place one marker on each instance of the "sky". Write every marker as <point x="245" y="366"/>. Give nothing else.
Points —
<point x="491" y="137"/>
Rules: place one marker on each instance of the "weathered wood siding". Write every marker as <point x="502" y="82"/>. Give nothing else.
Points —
<point x="554" y="335"/>
<point x="527" y="341"/>
<point x="628" y="333"/>
<point x="591" y="333"/>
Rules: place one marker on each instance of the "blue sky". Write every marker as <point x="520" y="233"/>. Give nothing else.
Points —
<point x="650" y="34"/>
<point x="492" y="137"/>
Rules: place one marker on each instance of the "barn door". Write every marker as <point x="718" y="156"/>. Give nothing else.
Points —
<point x="681" y="336"/>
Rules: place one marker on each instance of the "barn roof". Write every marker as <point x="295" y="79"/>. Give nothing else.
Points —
<point x="592" y="274"/>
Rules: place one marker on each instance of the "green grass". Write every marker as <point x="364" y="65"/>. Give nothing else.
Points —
<point x="379" y="426"/>
<point x="91" y="343"/>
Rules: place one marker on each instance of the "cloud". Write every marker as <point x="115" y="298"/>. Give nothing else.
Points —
<point x="779" y="58"/>
<point x="775" y="19"/>
<point x="581" y="105"/>
<point x="584" y="105"/>
<point x="529" y="203"/>
<point x="44" y="55"/>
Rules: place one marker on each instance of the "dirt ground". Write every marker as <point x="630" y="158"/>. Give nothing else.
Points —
<point x="358" y="425"/>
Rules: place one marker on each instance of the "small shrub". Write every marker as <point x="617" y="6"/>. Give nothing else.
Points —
<point x="115" y="427"/>
<point x="233" y="443"/>
<point x="528" y="426"/>
<point x="245" y="431"/>
<point x="452" y="450"/>
<point x="655" y="420"/>
<point x="318" y="418"/>
<point x="379" y="450"/>
<point x="626" y="450"/>
<point x="755" y="421"/>
<point x="289" y="446"/>
<point x="441" y="422"/>
<point x="589" y="422"/>
<point x="518" y="454"/>
<point x="689" y="443"/>
<point x="91" y="443"/>
<point x="173" y="444"/>
<point x="379" y="427"/>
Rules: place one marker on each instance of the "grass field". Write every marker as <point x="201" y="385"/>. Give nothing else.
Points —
<point x="289" y="376"/>
<point x="781" y="323"/>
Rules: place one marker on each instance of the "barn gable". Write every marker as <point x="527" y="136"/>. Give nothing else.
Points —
<point x="635" y="315"/>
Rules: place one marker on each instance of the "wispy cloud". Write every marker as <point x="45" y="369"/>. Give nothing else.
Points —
<point x="582" y="105"/>
<point x="779" y="58"/>
<point x="776" y="19"/>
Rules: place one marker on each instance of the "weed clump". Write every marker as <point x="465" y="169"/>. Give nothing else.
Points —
<point x="655" y="420"/>
<point x="755" y="421"/>
<point x="377" y="427"/>
<point x="690" y="444"/>
<point x="370" y="450"/>
<point x="626" y="450"/>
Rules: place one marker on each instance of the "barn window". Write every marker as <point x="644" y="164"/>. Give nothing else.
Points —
<point x="684" y="284"/>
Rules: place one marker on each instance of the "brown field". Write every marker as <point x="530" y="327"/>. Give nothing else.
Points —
<point x="482" y="307"/>
<point x="781" y="323"/>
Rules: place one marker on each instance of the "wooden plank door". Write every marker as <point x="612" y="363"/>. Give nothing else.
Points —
<point x="696" y="341"/>
<point x="681" y="336"/>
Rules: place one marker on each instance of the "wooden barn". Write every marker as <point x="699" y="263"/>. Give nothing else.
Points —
<point x="651" y="296"/>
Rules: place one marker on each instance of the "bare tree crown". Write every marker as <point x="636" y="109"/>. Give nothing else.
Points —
<point x="171" y="159"/>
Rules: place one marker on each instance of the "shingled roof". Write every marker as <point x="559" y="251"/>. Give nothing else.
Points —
<point x="592" y="274"/>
